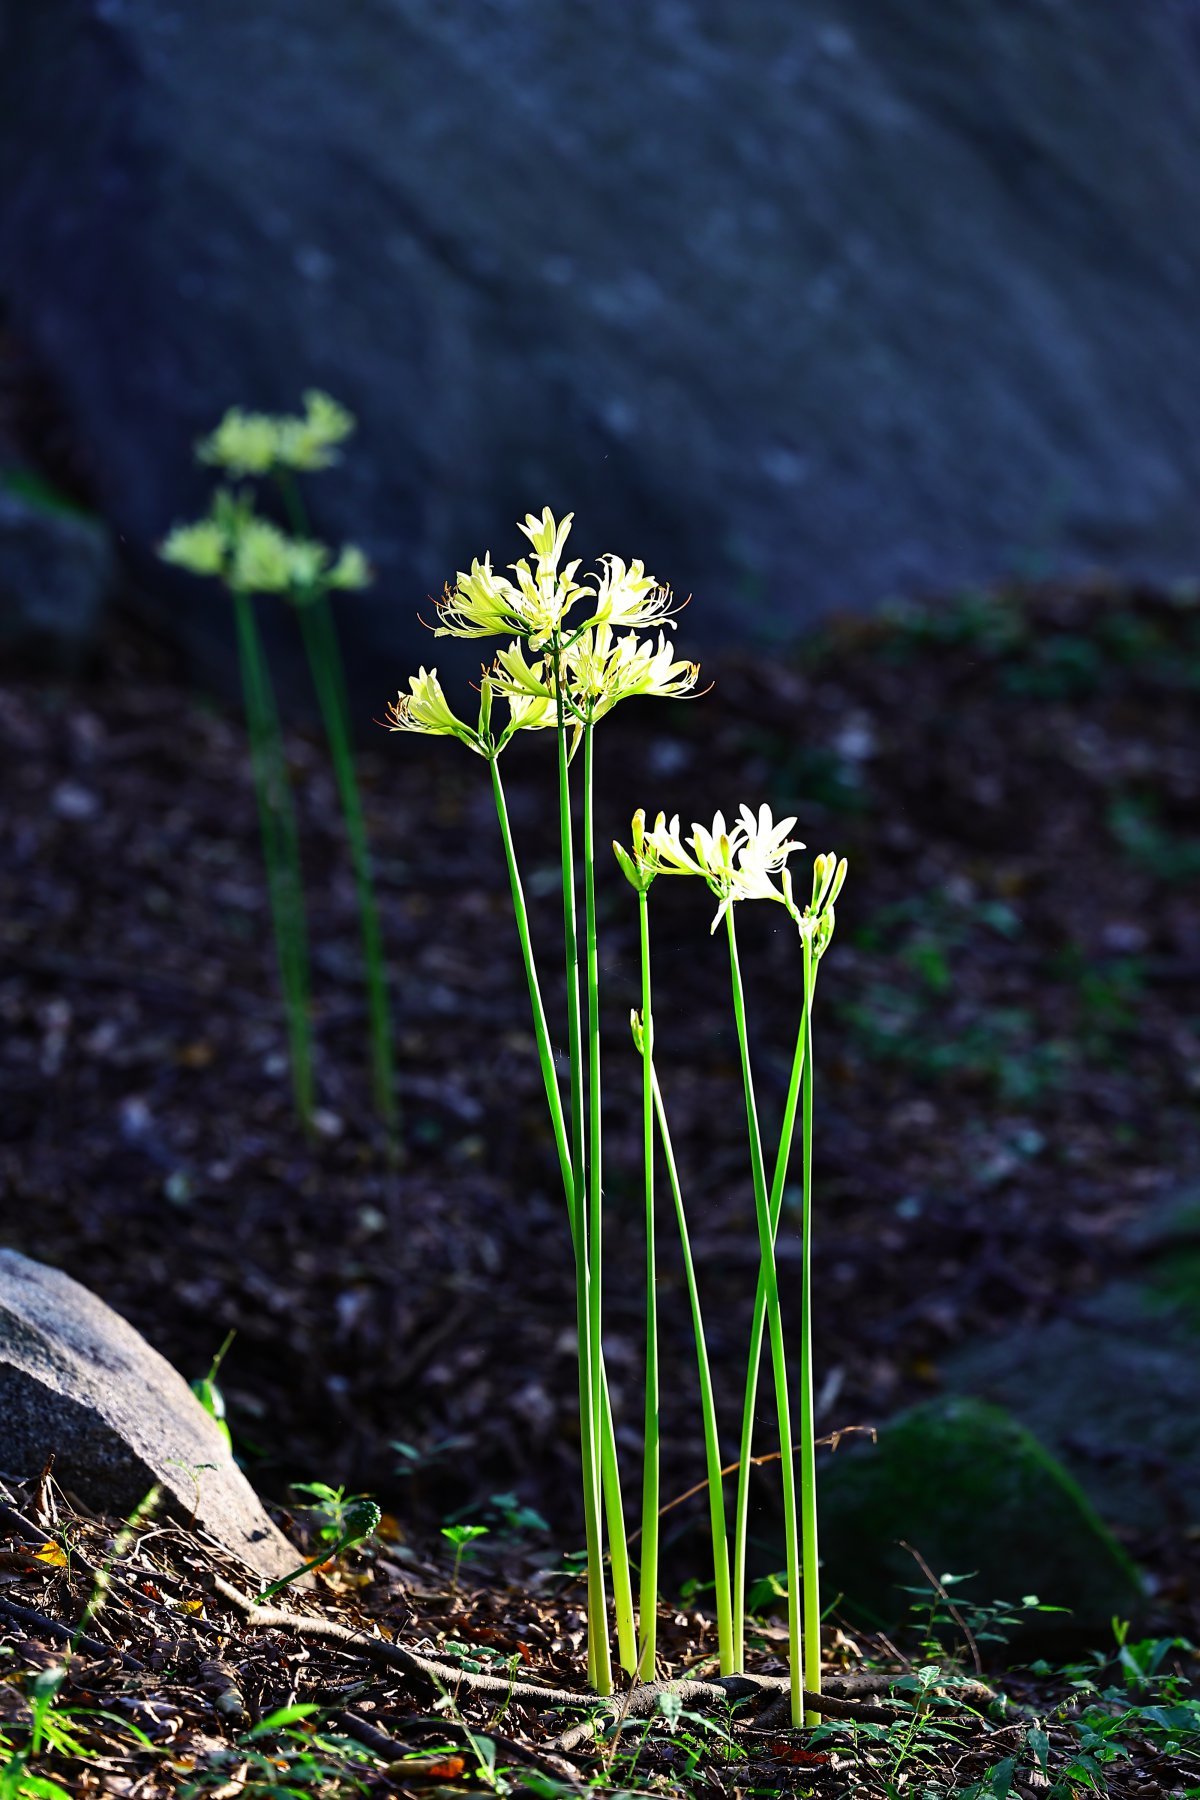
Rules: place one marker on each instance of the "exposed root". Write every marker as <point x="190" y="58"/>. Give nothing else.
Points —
<point x="641" y="1703"/>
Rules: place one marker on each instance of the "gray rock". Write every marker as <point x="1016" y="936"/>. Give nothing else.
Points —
<point x="977" y="1495"/>
<point x="56" y="568"/>
<point x="79" y="1384"/>
<point x="807" y="305"/>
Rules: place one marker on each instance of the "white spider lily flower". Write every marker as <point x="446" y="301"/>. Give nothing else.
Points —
<point x="481" y="604"/>
<point x="741" y="863"/>
<point x="763" y="848"/>
<point x="627" y="596"/>
<point x="639" y="864"/>
<point x="602" y="670"/>
<point x="528" y="712"/>
<point x="818" y="918"/>
<point x="426" y="709"/>
<point x="512" y="674"/>
<point x="547" y="537"/>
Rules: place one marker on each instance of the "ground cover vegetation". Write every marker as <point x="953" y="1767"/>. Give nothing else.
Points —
<point x="1012" y="1062"/>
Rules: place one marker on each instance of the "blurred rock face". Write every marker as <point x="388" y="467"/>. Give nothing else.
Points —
<point x="808" y="306"/>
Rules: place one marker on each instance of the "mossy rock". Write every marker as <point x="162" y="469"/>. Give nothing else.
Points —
<point x="976" y="1494"/>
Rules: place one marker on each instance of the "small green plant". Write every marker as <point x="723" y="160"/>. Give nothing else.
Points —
<point x="1135" y="820"/>
<point x="288" y="1755"/>
<point x="462" y="1537"/>
<point x="209" y="1394"/>
<point x="52" y="1730"/>
<point x="342" y="1521"/>
<point x="252" y="556"/>
<point x="575" y="653"/>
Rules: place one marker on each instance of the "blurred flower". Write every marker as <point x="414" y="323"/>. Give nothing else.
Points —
<point x="256" y="443"/>
<point x="255" y="556"/>
<point x="201" y="548"/>
<point x="244" y="443"/>
<point x="310" y="443"/>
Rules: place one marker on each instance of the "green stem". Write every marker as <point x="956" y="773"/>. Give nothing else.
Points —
<point x="541" y="1031"/>
<point x="281" y="850"/>
<point x="808" y="1444"/>
<point x="741" y="1517"/>
<point x="766" y="1244"/>
<point x="325" y="662"/>
<point x="599" y="1656"/>
<point x="648" y="1610"/>
<point x="708" y="1411"/>
<point x="610" y="1476"/>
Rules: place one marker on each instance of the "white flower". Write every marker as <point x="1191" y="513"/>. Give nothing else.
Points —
<point x="602" y="670"/>
<point x="426" y="709"/>
<point x="529" y="712"/>
<point x="481" y="604"/>
<point x="514" y="674"/>
<point x="639" y="864"/>
<point x="738" y="864"/>
<point x="485" y="604"/>
<point x="534" y="606"/>
<point x="628" y="596"/>
<point x="818" y="918"/>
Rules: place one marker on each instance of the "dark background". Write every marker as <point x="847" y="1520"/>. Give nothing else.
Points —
<point x="809" y="305"/>
<point x="816" y="308"/>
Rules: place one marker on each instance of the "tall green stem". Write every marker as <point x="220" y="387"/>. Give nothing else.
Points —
<point x="541" y="1031"/>
<point x="808" y="1443"/>
<point x="325" y="662"/>
<point x="281" y="850"/>
<point x="609" y="1472"/>
<point x="708" y="1411"/>
<point x="648" y="1609"/>
<point x="622" y="1588"/>
<point x="599" y="1656"/>
<point x="766" y="1244"/>
<point x="741" y="1517"/>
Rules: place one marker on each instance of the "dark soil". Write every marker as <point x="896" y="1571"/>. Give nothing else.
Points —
<point x="1008" y="1039"/>
<point x="150" y="1631"/>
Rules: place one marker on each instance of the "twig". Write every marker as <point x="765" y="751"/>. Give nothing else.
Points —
<point x="831" y="1442"/>
<point x="941" y="1593"/>
<point x="65" y="1634"/>
<point x="642" y="1701"/>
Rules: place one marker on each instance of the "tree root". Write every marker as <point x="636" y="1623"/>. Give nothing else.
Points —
<point x="65" y="1634"/>
<point x="640" y="1703"/>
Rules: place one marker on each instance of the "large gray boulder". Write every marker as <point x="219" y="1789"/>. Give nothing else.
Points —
<point x="808" y="305"/>
<point x="79" y="1384"/>
<point x="56" y="566"/>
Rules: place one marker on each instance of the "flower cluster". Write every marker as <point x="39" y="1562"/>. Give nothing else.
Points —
<point x="254" y="443"/>
<point x="253" y="556"/>
<point x="534" y="607"/>
<point x="743" y="861"/>
<point x="554" y="670"/>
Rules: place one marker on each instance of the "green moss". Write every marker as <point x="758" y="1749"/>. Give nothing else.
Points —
<point x="975" y="1493"/>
